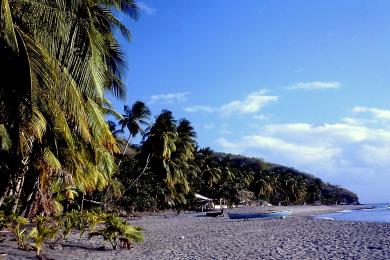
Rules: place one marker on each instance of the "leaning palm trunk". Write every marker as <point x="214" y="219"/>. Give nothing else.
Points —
<point x="23" y="168"/>
<point x="18" y="192"/>
<point x="124" y="151"/>
<point x="62" y="56"/>
<point x="6" y="193"/>
<point x="30" y="199"/>
<point x="139" y="176"/>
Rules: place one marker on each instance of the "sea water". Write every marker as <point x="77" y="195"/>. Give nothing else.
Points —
<point x="379" y="213"/>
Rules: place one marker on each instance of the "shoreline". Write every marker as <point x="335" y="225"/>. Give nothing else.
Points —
<point x="307" y="211"/>
<point x="297" y="210"/>
<point x="191" y="236"/>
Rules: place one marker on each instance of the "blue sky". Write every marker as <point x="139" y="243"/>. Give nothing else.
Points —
<point x="300" y="83"/>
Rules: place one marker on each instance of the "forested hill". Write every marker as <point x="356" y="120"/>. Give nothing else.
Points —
<point x="280" y="184"/>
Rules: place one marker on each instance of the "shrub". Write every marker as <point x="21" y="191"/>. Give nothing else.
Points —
<point x="118" y="231"/>
<point x="3" y="220"/>
<point x="81" y="221"/>
<point x="66" y="224"/>
<point x="19" y="227"/>
<point x="42" y="232"/>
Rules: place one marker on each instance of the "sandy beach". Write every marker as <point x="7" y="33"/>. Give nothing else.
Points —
<point x="193" y="236"/>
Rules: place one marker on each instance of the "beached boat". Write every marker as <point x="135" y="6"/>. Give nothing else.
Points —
<point x="269" y="214"/>
<point x="214" y="213"/>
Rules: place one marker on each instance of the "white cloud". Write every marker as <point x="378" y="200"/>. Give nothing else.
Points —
<point x="169" y="98"/>
<point x="225" y="130"/>
<point x="324" y="133"/>
<point x="261" y="117"/>
<point x="199" y="109"/>
<point x="314" y="85"/>
<point x="375" y="155"/>
<point x="208" y="126"/>
<point x="344" y="153"/>
<point x="146" y="8"/>
<point x="295" y="152"/>
<point x="380" y="114"/>
<point x="252" y="103"/>
<point x="351" y="121"/>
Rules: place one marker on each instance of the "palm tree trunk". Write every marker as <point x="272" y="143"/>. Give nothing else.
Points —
<point x="142" y="172"/>
<point x="82" y="203"/>
<point x="5" y="193"/>
<point x="124" y="150"/>
<point x="18" y="193"/>
<point x="20" y="182"/>
<point x="30" y="200"/>
<point x="117" y="169"/>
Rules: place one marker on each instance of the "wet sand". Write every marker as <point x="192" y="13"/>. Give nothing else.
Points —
<point x="192" y="236"/>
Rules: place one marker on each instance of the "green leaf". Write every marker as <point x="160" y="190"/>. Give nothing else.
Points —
<point x="7" y="30"/>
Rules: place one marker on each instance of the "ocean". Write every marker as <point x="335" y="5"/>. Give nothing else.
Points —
<point x="379" y="213"/>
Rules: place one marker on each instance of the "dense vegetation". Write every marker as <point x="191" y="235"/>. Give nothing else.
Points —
<point x="59" y="155"/>
<point x="58" y="59"/>
<point x="167" y="169"/>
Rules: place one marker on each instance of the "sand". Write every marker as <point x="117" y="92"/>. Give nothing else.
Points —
<point x="192" y="236"/>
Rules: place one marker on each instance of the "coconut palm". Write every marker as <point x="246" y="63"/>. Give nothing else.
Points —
<point x="160" y="142"/>
<point x="210" y="172"/>
<point x="112" y="126"/>
<point x="186" y="143"/>
<point x="301" y="191"/>
<point x="314" y="188"/>
<point x="133" y="119"/>
<point x="61" y="57"/>
<point x="171" y="149"/>
<point x="185" y="168"/>
<point x="265" y="187"/>
<point x="160" y="139"/>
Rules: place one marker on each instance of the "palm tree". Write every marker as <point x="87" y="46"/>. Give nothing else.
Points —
<point x="314" y="189"/>
<point x="159" y="143"/>
<point x="133" y="119"/>
<point x="210" y="173"/>
<point x="161" y="136"/>
<point x="183" y="158"/>
<point x="61" y="57"/>
<point x="171" y="147"/>
<point x="112" y="126"/>
<point x="266" y="184"/>
<point x="302" y="190"/>
<point x="186" y="140"/>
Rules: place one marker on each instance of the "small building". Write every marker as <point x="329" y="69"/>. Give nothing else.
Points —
<point x="208" y="203"/>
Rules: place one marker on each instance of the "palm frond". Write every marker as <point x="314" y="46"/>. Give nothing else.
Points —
<point x="5" y="140"/>
<point x="7" y="31"/>
<point x="51" y="160"/>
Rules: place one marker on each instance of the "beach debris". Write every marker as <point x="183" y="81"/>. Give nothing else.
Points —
<point x="374" y="247"/>
<point x="181" y="237"/>
<point x="125" y="243"/>
<point x="56" y="246"/>
<point x="43" y="257"/>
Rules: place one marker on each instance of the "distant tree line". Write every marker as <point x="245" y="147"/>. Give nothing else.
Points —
<point x="167" y="168"/>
